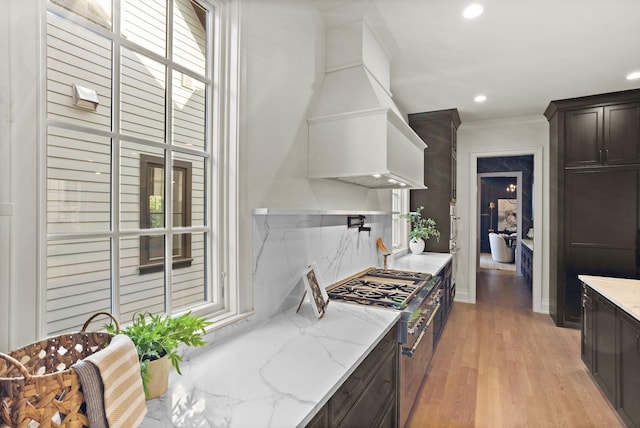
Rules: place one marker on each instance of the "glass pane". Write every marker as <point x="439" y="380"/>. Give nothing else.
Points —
<point x="195" y="202"/>
<point x="78" y="182"/>
<point x="145" y="22"/>
<point x="189" y="107"/>
<point x="189" y="280"/>
<point x="98" y="11"/>
<point x="190" y="35"/>
<point x="78" y="56"/>
<point x="133" y="186"/>
<point x="78" y="282"/>
<point x="141" y="283"/>
<point x="143" y="96"/>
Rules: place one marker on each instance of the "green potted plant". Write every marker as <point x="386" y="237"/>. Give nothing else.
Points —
<point x="421" y="229"/>
<point x="157" y="338"/>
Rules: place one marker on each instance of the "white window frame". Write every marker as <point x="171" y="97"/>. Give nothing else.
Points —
<point x="222" y="209"/>
<point x="399" y="227"/>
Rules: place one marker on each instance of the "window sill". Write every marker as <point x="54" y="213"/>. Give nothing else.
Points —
<point x="159" y="267"/>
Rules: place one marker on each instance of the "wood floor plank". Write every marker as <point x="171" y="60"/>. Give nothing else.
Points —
<point x="499" y="364"/>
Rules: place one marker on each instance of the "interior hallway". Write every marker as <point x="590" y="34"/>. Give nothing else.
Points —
<point x="499" y="364"/>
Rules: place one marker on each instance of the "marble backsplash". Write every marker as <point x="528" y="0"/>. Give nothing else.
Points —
<point x="285" y="244"/>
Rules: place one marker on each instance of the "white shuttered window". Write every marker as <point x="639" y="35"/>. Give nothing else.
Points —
<point x="129" y="184"/>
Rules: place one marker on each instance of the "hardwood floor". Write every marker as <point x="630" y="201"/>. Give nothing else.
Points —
<point x="499" y="364"/>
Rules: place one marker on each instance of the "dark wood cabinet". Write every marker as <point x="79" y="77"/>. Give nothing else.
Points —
<point x="629" y="369"/>
<point x="621" y="144"/>
<point x="438" y="129"/>
<point x="607" y="135"/>
<point x="526" y="264"/>
<point x="611" y="352"/>
<point x="369" y="397"/>
<point x="594" y="194"/>
<point x="601" y="208"/>
<point x="604" y="358"/>
<point x="586" y="342"/>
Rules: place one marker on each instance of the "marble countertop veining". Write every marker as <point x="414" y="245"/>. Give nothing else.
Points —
<point x="426" y="262"/>
<point x="624" y="293"/>
<point x="276" y="375"/>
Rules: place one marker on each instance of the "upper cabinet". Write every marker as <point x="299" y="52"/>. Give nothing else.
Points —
<point x="439" y="130"/>
<point x="602" y="135"/>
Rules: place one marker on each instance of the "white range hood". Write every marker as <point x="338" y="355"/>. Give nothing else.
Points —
<point x="356" y="132"/>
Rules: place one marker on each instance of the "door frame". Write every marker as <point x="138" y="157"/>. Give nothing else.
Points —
<point x="538" y="255"/>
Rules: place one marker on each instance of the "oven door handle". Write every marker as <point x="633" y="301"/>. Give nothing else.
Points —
<point x="410" y="351"/>
<point x="433" y="314"/>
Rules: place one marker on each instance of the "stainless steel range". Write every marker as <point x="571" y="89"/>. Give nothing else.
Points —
<point x="418" y="296"/>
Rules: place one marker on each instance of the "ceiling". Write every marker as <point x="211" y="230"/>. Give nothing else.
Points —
<point x="521" y="55"/>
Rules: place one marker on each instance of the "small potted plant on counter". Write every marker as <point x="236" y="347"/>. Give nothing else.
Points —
<point x="421" y="229"/>
<point x="157" y="338"/>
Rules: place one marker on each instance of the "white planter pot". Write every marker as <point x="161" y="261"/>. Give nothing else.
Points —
<point x="416" y="247"/>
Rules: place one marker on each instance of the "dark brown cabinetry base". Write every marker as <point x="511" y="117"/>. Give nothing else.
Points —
<point x="369" y="398"/>
<point x="527" y="265"/>
<point x="611" y="351"/>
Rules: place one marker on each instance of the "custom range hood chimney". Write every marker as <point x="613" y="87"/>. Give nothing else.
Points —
<point x="356" y="132"/>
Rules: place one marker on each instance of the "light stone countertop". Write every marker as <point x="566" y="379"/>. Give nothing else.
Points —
<point x="624" y="293"/>
<point x="276" y="375"/>
<point x="426" y="262"/>
<point x="280" y="373"/>
<point x="528" y="243"/>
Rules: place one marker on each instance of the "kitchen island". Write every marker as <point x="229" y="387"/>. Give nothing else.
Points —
<point x="610" y="340"/>
<point x="283" y="372"/>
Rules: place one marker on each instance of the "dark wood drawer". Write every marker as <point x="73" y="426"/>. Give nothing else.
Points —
<point x="376" y="396"/>
<point x="344" y="399"/>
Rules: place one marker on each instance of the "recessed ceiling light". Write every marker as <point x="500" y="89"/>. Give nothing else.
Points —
<point x="376" y="176"/>
<point x="473" y="11"/>
<point x="633" y="76"/>
<point x="480" y="98"/>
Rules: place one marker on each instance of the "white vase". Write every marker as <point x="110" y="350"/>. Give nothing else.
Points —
<point x="416" y="247"/>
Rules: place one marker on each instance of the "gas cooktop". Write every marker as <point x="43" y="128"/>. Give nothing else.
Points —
<point x="380" y="287"/>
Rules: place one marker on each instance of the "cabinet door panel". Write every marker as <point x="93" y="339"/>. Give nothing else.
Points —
<point x="587" y="328"/>
<point x="604" y="364"/>
<point x="583" y="137"/>
<point x="601" y="207"/>
<point x="629" y="369"/>
<point x="366" y="412"/>
<point x="622" y="134"/>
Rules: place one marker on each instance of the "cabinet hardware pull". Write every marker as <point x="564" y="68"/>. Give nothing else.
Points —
<point x="358" y="381"/>
<point x="606" y="155"/>
<point x="600" y="153"/>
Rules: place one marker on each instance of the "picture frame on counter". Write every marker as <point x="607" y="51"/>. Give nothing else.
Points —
<point x="318" y="296"/>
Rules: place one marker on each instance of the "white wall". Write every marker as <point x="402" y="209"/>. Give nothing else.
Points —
<point x="513" y="137"/>
<point x="6" y="207"/>
<point x="283" y="43"/>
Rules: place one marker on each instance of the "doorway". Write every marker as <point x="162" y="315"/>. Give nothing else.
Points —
<point x="500" y="211"/>
<point x="539" y="302"/>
